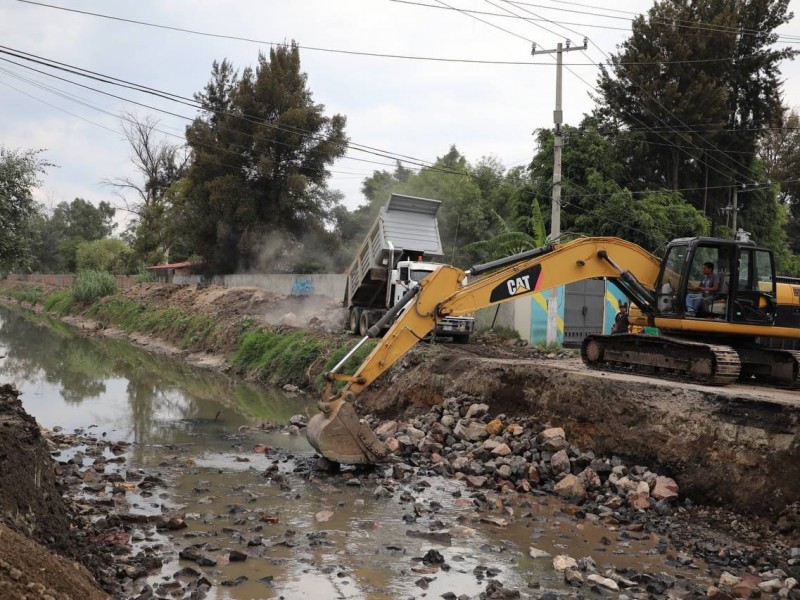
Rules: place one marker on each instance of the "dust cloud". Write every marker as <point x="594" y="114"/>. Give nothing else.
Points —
<point x="281" y="252"/>
<point x="308" y="312"/>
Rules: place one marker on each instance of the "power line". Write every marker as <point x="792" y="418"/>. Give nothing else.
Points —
<point x="683" y="23"/>
<point x="670" y="113"/>
<point x="593" y="87"/>
<point x="358" y="175"/>
<point x="275" y="44"/>
<point x="5" y="83"/>
<point x="122" y="117"/>
<point x="386" y="55"/>
<point x="695" y="25"/>
<point x="76" y="99"/>
<point x="197" y="105"/>
<point x="492" y="14"/>
<point x="423" y="166"/>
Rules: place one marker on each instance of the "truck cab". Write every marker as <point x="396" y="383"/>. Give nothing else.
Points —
<point x="407" y="275"/>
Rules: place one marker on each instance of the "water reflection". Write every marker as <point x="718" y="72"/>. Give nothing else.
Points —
<point x="74" y="381"/>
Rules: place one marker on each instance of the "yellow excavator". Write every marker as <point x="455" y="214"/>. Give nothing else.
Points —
<point x="730" y="336"/>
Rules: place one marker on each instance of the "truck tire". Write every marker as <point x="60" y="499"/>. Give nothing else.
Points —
<point x="353" y="321"/>
<point x="363" y="323"/>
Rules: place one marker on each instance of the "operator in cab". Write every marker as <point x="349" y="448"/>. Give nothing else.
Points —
<point x="709" y="285"/>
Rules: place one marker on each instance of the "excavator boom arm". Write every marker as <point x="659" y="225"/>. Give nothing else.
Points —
<point x="441" y="294"/>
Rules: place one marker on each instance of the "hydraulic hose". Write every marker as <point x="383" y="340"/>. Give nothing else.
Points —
<point x="375" y="330"/>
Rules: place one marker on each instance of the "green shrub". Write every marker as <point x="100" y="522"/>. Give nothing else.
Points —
<point x="278" y="358"/>
<point x="144" y="276"/>
<point x="59" y="302"/>
<point x="352" y="364"/>
<point x="506" y="333"/>
<point x="123" y="313"/>
<point x="90" y="286"/>
<point x="34" y="295"/>
<point x="173" y="324"/>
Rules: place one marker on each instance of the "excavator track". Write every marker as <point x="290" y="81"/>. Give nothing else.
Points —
<point x="663" y="357"/>
<point x="770" y="367"/>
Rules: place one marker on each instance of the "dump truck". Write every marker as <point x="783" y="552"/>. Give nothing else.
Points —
<point x="400" y="250"/>
<point x="720" y="341"/>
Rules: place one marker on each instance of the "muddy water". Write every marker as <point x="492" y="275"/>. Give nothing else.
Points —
<point x="355" y="535"/>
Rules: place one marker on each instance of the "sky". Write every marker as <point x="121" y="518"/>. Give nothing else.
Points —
<point x="417" y="108"/>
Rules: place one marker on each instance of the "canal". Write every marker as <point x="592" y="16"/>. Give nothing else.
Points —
<point x="270" y="528"/>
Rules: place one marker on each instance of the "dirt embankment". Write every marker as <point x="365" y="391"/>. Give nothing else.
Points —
<point x="34" y="518"/>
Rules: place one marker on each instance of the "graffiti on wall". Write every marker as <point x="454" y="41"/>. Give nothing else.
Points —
<point x="302" y="286"/>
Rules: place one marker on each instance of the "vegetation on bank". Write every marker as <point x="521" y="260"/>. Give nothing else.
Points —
<point x="279" y="356"/>
<point x="32" y="295"/>
<point x="271" y="355"/>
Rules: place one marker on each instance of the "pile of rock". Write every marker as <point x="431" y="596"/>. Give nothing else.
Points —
<point x="91" y="472"/>
<point x="460" y="438"/>
<point x="463" y="440"/>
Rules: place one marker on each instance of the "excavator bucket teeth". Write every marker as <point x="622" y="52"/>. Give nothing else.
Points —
<point x="340" y="436"/>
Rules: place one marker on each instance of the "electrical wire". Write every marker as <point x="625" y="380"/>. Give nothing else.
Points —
<point x="718" y="161"/>
<point x="197" y="105"/>
<point x="680" y="23"/>
<point x="127" y="119"/>
<point x="362" y="53"/>
<point x="441" y="3"/>
<point x="274" y="44"/>
<point x="595" y="89"/>
<point x="158" y="92"/>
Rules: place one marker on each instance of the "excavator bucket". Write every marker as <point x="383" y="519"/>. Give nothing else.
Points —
<point x="340" y="436"/>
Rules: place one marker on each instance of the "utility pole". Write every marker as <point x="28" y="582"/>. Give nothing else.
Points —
<point x="555" y="212"/>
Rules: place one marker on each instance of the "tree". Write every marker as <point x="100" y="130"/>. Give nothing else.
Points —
<point x="19" y="174"/>
<point x="691" y="103"/>
<point x="84" y="220"/>
<point x="45" y="238"/>
<point x="464" y="216"/>
<point x="258" y="174"/>
<point x="160" y="165"/>
<point x="110" y="255"/>
<point x="597" y="198"/>
<point x="650" y="219"/>
<point x="588" y="156"/>
<point x="477" y="203"/>
<point x="779" y="152"/>
<point x="55" y="237"/>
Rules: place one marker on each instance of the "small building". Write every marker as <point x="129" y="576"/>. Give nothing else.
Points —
<point x="167" y="273"/>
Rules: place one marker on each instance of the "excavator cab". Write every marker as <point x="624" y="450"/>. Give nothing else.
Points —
<point x="744" y="273"/>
